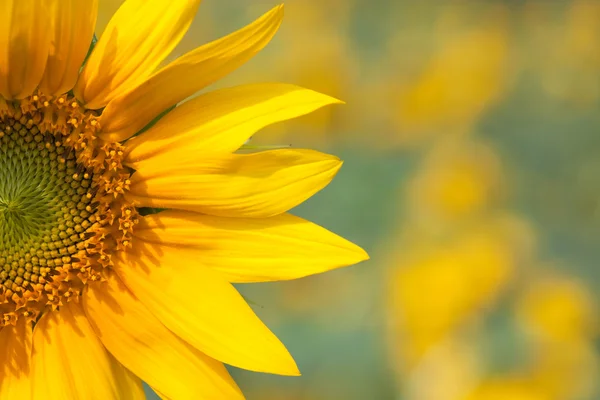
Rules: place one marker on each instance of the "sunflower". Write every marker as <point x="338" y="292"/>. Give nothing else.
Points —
<point x="97" y="292"/>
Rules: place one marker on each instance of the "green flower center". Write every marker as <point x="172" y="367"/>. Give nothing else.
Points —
<point x="44" y="204"/>
<point x="63" y="213"/>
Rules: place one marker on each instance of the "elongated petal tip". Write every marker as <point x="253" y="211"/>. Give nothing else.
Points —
<point x="355" y="254"/>
<point x="362" y="255"/>
<point x="349" y="253"/>
<point x="335" y="166"/>
<point x="294" y="372"/>
<point x="312" y="96"/>
<point x="327" y="99"/>
<point x="285" y="367"/>
<point x="333" y="100"/>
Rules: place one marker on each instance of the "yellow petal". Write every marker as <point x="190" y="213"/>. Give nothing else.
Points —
<point x="69" y="362"/>
<point x="138" y="37"/>
<point x="252" y="249"/>
<point x="24" y="43"/>
<point x="145" y="346"/>
<point x="15" y="367"/>
<point x="130" y="112"/>
<point x="221" y="121"/>
<point x="249" y="185"/>
<point x="72" y="24"/>
<point x="202" y="308"/>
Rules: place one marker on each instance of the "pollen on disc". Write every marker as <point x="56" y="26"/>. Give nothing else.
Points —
<point x="60" y="194"/>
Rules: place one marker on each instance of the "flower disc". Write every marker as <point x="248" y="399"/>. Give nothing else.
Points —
<point x="61" y="206"/>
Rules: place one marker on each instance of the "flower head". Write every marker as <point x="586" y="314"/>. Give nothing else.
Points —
<point x="96" y="292"/>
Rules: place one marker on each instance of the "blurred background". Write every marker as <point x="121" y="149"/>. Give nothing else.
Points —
<point x="472" y="176"/>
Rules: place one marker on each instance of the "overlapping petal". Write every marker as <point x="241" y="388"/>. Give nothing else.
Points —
<point x="15" y="364"/>
<point x="69" y="362"/>
<point x="201" y="307"/>
<point x="221" y="121"/>
<point x="146" y="347"/>
<point x="136" y="40"/>
<point x="252" y="249"/>
<point x="237" y="185"/>
<point x="24" y="44"/>
<point x="131" y="111"/>
<point x="72" y="24"/>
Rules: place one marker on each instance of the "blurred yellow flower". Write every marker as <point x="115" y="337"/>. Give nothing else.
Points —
<point x="566" y="370"/>
<point x="562" y="362"/>
<point x="559" y="310"/>
<point x="466" y="74"/>
<point x="508" y="389"/>
<point x="440" y="283"/>
<point x="562" y="317"/>
<point x="562" y="51"/>
<point x="454" y="364"/>
<point x="459" y="182"/>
